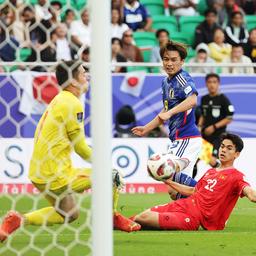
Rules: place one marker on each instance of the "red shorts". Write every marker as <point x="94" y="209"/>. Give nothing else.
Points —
<point x="178" y="215"/>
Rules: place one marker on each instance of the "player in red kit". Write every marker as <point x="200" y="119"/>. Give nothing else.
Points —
<point x="210" y="202"/>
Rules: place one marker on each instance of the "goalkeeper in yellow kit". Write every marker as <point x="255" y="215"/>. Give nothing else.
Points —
<point x="59" y="131"/>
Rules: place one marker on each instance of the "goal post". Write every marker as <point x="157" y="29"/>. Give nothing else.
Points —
<point x="101" y="106"/>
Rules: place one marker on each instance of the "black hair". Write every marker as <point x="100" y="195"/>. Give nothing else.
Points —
<point x="161" y="30"/>
<point x="237" y="45"/>
<point x="66" y="70"/>
<point x="202" y="51"/>
<point x="117" y="39"/>
<point x="236" y="140"/>
<point x="233" y="14"/>
<point x="57" y="3"/>
<point x="174" y="46"/>
<point x="86" y="50"/>
<point x="68" y="10"/>
<point x="208" y="11"/>
<point x="210" y="75"/>
<point x="28" y="8"/>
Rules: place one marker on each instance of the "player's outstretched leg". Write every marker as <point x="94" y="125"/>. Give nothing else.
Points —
<point x="121" y="222"/>
<point x="124" y="224"/>
<point x="11" y="222"/>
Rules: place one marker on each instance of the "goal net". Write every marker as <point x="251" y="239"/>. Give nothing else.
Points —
<point x="34" y="37"/>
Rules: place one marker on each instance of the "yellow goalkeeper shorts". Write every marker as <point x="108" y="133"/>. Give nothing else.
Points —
<point x="80" y="182"/>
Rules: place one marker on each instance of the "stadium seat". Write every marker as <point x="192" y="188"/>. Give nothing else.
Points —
<point x="250" y="21"/>
<point x="179" y="37"/>
<point x="144" y="38"/>
<point x="188" y="25"/>
<point x="202" y="7"/>
<point x="146" y="52"/>
<point x="23" y="53"/>
<point x="63" y="2"/>
<point x="132" y="69"/>
<point x="155" y="7"/>
<point x="191" y="54"/>
<point x="167" y="22"/>
<point x="33" y="2"/>
<point x="78" y="4"/>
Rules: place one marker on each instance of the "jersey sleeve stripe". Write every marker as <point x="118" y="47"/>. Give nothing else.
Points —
<point x="181" y="80"/>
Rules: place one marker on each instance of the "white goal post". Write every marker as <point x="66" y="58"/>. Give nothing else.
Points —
<point x="101" y="103"/>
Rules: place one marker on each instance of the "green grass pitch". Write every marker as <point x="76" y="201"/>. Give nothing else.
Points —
<point x="239" y="237"/>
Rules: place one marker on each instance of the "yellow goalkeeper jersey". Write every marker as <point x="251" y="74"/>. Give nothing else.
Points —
<point x="59" y="131"/>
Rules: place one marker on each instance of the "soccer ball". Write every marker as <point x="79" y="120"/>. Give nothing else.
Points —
<point x="161" y="166"/>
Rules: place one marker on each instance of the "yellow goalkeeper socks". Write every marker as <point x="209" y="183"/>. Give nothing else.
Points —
<point x="115" y="198"/>
<point x="47" y="216"/>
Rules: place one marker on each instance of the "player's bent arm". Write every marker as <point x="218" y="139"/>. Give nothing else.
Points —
<point x="80" y="145"/>
<point x="185" y="105"/>
<point x="143" y="130"/>
<point x="250" y="193"/>
<point x="182" y="189"/>
<point x="154" y="123"/>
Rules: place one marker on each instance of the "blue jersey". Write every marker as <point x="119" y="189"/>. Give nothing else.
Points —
<point x="135" y="16"/>
<point x="175" y="90"/>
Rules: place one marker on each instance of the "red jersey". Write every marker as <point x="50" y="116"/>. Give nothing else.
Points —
<point x="216" y="195"/>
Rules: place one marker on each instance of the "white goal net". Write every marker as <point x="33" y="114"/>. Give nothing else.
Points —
<point x="34" y="37"/>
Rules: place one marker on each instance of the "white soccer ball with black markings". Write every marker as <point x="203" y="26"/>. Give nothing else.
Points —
<point x="161" y="166"/>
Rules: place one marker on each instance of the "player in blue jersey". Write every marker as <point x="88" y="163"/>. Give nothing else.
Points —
<point x="179" y="100"/>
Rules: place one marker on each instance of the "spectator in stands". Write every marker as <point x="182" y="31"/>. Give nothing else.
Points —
<point x="118" y="4"/>
<point x="136" y="16"/>
<point x="69" y="17"/>
<point x="117" y="26"/>
<point x="42" y="10"/>
<point x="224" y="14"/>
<point x="238" y="57"/>
<point x="55" y="19"/>
<point x="48" y="52"/>
<point x="216" y="113"/>
<point x="215" y="4"/>
<point x="202" y="57"/>
<point x="116" y="45"/>
<point x="130" y="51"/>
<point x="183" y="7"/>
<point x="162" y="36"/>
<point x="249" y="6"/>
<point x="7" y="15"/>
<point x="219" y="50"/>
<point x="204" y="31"/>
<point x="84" y="54"/>
<point x="235" y="31"/>
<point x="80" y="30"/>
<point x="7" y="47"/>
<point x="250" y="46"/>
<point x="18" y="29"/>
<point x="64" y="51"/>
<point x="56" y="7"/>
<point x="37" y="29"/>
<point x="37" y="32"/>
<point x="12" y="23"/>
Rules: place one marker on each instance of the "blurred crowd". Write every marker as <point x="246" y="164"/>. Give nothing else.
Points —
<point x="48" y="31"/>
